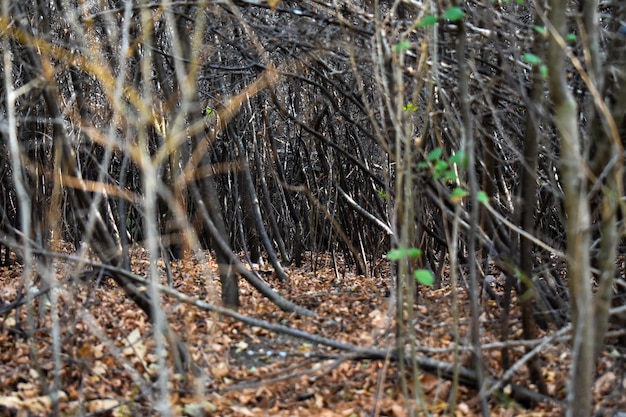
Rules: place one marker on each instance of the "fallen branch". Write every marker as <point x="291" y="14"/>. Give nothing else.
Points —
<point x="442" y="369"/>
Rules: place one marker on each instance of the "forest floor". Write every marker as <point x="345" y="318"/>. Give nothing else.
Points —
<point x="107" y="363"/>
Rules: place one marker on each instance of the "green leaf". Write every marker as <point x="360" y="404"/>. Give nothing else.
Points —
<point x="482" y="197"/>
<point x="422" y="164"/>
<point x="541" y="30"/>
<point x="402" y="46"/>
<point x="208" y="111"/>
<point x="424" y="276"/>
<point x="401" y="253"/>
<point x="441" y="166"/>
<point x="571" y="37"/>
<point x="532" y="59"/>
<point x="450" y="175"/>
<point x="382" y="193"/>
<point x="459" y="158"/>
<point x="458" y="194"/>
<point x="426" y="21"/>
<point x="543" y="70"/>
<point x="409" y="107"/>
<point x="395" y="254"/>
<point x="413" y="253"/>
<point x="434" y="154"/>
<point x="453" y="14"/>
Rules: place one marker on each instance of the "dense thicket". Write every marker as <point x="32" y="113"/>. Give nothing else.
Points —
<point x="273" y="128"/>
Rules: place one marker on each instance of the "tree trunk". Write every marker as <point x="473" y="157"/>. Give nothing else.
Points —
<point x="607" y="163"/>
<point x="577" y="221"/>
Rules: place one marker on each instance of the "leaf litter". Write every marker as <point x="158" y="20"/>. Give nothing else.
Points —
<point x="109" y="365"/>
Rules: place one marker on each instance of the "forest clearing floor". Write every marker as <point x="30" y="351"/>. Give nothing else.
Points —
<point x="107" y="362"/>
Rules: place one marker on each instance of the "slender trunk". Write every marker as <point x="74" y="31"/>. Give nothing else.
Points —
<point x="248" y="187"/>
<point x="607" y="164"/>
<point x="265" y="192"/>
<point x="577" y="221"/>
<point x="525" y="215"/>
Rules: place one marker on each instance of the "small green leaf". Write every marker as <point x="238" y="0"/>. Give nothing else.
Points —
<point x="208" y="111"/>
<point x="424" y="276"/>
<point x="413" y="253"/>
<point x="382" y="193"/>
<point x="532" y="59"/>
<point x="571" y="37"/>
<point x="482" y="197"/>
<point x="422" y="164"/>
<point x="541" y="30"/>
<point x="401" y="253"/>
<point x="543" y="70"/>
<point x="450" y="175"/>
<point x="459" y="158"/>
<point x="409" y="107"/>
<point x="458" y="194"/>
<point x="434" y="154"/>
<point x="453" y="14"/>
<point x="441" y="166"/>
<point x="426" y="21"/>
<point x="402" y="46"/>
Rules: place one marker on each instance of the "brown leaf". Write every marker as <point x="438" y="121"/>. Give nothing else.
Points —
<point x="12" y="402"/>
<point x="605" y="383"/>
<point x="85" y="351"/>
<point x="273" y="4"/>
<point x="399" y="411"/>
<point x="221" y="370"/>
<point x="96" y="406"/>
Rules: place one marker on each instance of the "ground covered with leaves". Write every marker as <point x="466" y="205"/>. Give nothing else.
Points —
<point x="105" y="361"/>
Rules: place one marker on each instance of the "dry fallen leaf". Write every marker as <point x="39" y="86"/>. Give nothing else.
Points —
<point x="221" y="370"/>
<point x="96" y="406"/>
<point x="605" y="383"/>
<point x="463" y="409"/>
<point x="85" y="351"/>
<point x="27" y="390"/>
<point x="12" y="402"/>
<point x="319" y="400"/>
<point x="244" y="411"/>
<point x="273" y="4"/>
<point x="399" y="411"/>
<point x="429" y="382"/>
